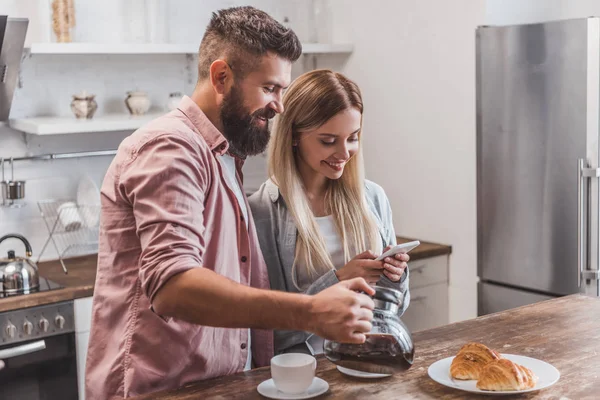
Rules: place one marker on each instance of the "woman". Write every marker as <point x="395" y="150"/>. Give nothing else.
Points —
<point x="316" y="212"/>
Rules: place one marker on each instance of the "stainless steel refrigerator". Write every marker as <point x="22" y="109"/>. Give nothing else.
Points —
<point x="538" y="116"/>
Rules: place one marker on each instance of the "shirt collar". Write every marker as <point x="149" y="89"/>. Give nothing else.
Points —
<point x="272" y="190"/>
<point x="215" y="139"/>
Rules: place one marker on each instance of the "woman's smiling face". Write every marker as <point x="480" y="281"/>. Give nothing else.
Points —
<point x="326" y="150"/>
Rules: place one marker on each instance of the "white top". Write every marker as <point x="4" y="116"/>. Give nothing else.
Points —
<point x="228" y="164"/>
<point x="333" y="243"/>
<point x="333" y="240"/>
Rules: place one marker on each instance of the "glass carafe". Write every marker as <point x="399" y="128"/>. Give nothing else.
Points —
<point x="388" y="347"/>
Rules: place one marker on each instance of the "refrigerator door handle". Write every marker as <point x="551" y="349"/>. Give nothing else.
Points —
<point x="583" y="173"/>
<point x="580" y="222"/>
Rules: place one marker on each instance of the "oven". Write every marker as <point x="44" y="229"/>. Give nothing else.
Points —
<point x="38" y="349"/>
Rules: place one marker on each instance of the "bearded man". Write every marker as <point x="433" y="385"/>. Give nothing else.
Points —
<point x="182" y="291"/>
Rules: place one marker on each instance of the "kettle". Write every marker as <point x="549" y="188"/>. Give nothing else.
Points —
<point x="18" y="275"/>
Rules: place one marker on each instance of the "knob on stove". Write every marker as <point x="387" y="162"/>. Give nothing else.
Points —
<point x="44" y="324"/>
<point x="27" y="327"/>
<point x="59" y="321"/>
<point x="11" y="330"/>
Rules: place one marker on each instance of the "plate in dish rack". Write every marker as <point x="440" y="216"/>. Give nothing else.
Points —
<point x="547" y="375"/>
<point x="88" y="199"/>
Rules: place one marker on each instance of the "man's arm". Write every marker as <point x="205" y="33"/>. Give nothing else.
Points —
<point x="165" y="182"/>
<point x="204" y="297"/>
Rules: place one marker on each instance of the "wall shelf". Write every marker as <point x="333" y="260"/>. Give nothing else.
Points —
<point x="147" y="48"/>
<point x="65" y="125"/>
<point x="122" y="122"/>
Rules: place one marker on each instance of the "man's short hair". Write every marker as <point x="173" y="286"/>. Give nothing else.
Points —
<point x="242" y="36"/>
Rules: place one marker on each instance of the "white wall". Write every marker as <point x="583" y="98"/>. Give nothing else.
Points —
<point x="507" y="12"/>
<point x="415" y="64"/>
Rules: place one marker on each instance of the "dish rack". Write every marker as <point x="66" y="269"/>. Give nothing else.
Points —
<point x="73" y="229"/>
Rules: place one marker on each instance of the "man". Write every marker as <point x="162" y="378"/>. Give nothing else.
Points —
<point x="179" y="261"/>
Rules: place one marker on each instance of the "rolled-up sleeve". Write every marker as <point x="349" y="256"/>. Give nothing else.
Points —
<point x="165" y="182"/>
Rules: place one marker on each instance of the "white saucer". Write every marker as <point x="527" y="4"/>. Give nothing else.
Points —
<point x="317" y="387"/>
<point x="361" y="374"/>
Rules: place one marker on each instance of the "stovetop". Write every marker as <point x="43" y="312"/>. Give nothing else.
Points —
<point x="37" y="322"/>
<point x="45" y="285"/>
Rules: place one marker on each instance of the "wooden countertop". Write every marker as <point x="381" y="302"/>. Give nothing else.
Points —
<point x="78" y="283"/>
<point x="82" y="275"/>
<point x="425" y="249"/>
<point x="563" y="332"/>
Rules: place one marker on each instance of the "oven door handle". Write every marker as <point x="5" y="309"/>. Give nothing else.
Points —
<point x="23" y="349"/>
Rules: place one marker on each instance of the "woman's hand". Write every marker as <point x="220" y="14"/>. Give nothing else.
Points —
<point x="394" y="266"/>
<point x="362" y="266"/>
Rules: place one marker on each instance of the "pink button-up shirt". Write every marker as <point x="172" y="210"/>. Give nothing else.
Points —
<point x="166" y="208"/>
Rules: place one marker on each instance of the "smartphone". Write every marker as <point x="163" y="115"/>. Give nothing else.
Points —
<point x="401" y="248"/>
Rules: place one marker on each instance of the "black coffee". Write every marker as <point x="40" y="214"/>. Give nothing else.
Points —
<point x="381" y="353"/>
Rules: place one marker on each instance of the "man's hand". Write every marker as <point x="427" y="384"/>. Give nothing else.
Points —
<point x="340" y="313"/>
<point x="362" y="266"/>
<point x="395" y="266"/>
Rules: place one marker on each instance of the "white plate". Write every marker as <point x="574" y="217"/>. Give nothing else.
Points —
<point x="316" y="388"/>
<point x="88" y="199"/>
<point x="361" y="374"/>
<point x="547" y="375"/>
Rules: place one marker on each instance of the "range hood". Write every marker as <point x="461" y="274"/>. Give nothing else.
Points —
<point x="12" y="39"/>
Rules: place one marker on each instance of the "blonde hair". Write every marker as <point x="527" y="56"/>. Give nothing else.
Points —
<point x="311" y="100"/>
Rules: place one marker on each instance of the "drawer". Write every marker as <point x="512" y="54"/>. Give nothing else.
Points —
<point x="428" y="271"/>
<point x="428" y="308"/>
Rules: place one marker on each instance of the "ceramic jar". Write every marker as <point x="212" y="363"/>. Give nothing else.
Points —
<point x="83" y="105"/>
<point x="137" y="103"/>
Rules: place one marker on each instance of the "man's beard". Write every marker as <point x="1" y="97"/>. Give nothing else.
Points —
<point x="244" y="136"/>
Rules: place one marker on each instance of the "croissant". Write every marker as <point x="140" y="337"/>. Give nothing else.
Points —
<point x="504" y="374"/>
<point x="471" y="359"/>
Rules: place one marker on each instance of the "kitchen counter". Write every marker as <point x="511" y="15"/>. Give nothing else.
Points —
<point x="79" y="282"/>
<point x="425" y="249"/>
<point x="563" y="332"/>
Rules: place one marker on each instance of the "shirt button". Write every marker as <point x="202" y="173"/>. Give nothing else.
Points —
<point x="244" y="259"/>
<point x="243" y="346"/>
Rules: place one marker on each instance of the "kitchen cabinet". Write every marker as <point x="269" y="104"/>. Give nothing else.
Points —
<point x="83" y="320"/>
<point x="429" y="305"/>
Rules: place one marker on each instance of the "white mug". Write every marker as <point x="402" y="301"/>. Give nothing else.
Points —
<point x="293" y="373"/>
<point x="69" y="216"/>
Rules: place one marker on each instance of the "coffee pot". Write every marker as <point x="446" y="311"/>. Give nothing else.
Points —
<point x="18" y="275"/>
<point x="388" y="347"/>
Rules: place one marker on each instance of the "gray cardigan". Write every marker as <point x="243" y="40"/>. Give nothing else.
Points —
<point x="277" y="236"/>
